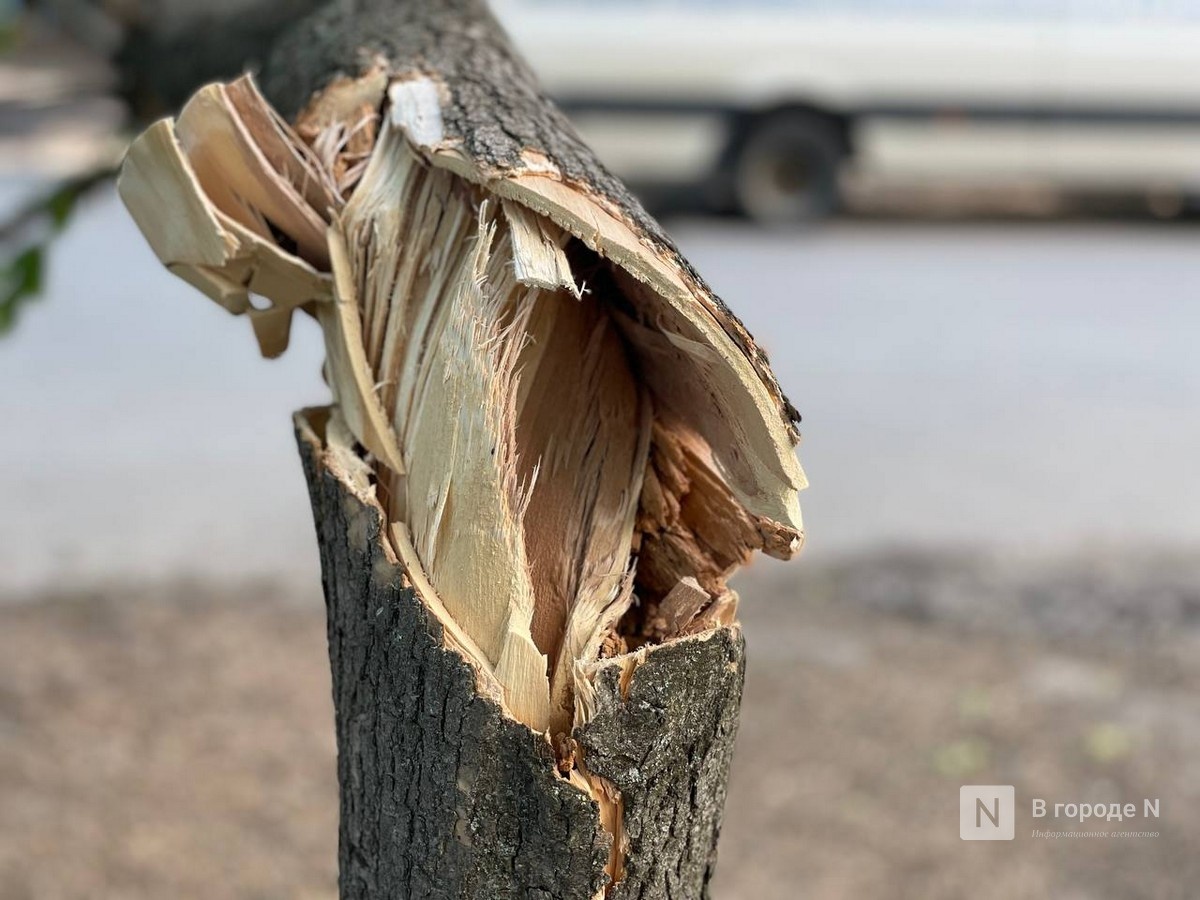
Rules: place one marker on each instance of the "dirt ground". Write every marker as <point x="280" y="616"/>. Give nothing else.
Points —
<point x="176" y="741"/>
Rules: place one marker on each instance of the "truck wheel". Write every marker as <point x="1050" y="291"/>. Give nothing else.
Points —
<point x="786" y="170"/>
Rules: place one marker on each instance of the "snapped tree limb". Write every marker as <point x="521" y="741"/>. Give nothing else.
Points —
<point x="551" y="446"/>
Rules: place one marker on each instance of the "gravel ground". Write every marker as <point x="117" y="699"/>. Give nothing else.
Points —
<point x="175" y="740"/>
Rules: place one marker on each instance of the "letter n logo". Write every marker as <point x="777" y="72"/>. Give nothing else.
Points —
<point x="987" y="812"/>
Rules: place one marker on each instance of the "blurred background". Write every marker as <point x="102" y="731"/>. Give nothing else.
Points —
<point x="965" y="233"/>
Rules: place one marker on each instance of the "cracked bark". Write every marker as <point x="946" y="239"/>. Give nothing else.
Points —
<point x="443" y="795"/>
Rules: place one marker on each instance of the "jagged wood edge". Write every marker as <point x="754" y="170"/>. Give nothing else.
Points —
<point x="445" y="795"/>
<point x="497" y="111"/>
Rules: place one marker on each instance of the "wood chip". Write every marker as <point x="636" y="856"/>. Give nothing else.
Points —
<point x="676" y="610"/>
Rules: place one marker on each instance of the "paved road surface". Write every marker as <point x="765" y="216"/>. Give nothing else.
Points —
<point x="1029" y="386"/>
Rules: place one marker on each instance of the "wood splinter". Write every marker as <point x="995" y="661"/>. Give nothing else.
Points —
<point x="551" y="445"/>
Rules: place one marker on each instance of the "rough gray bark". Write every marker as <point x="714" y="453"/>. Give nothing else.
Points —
<point x="172" y="47"/>
<point x="163" y="50"/>
<point x="444" y="796"/>
<point x="667" y="744"/>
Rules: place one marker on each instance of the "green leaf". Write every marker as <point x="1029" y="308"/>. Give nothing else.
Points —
<point x="33" y="227"/>
<point x="61" y="204"/>
<point x="20" y="282"/>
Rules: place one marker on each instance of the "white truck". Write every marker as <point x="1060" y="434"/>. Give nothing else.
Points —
<point x="766" y="103"/>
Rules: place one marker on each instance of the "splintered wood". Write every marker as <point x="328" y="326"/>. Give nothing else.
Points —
<point x="571" y="451"/>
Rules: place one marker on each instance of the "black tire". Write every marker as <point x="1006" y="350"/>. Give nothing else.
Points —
<point x="785" y="171"/>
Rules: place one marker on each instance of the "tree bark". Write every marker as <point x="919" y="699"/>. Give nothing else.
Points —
<point x="444" y="795"/>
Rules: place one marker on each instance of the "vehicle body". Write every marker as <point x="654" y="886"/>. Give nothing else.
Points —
<point x="1099" y="95"/>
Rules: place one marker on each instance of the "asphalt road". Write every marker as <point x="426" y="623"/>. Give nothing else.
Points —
<point x="1026" y="386"/>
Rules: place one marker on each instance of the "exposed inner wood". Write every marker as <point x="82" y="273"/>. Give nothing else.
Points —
<point x="550" y="435"/>
<point x="715" y="385"/>
<point x="585" y="428"/>
<point x="236" y="175"/>
<point x="524" y="433"/>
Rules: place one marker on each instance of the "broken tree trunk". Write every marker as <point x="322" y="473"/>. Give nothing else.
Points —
<point x="444" y="795"/>
<point x="551" y="446"/>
